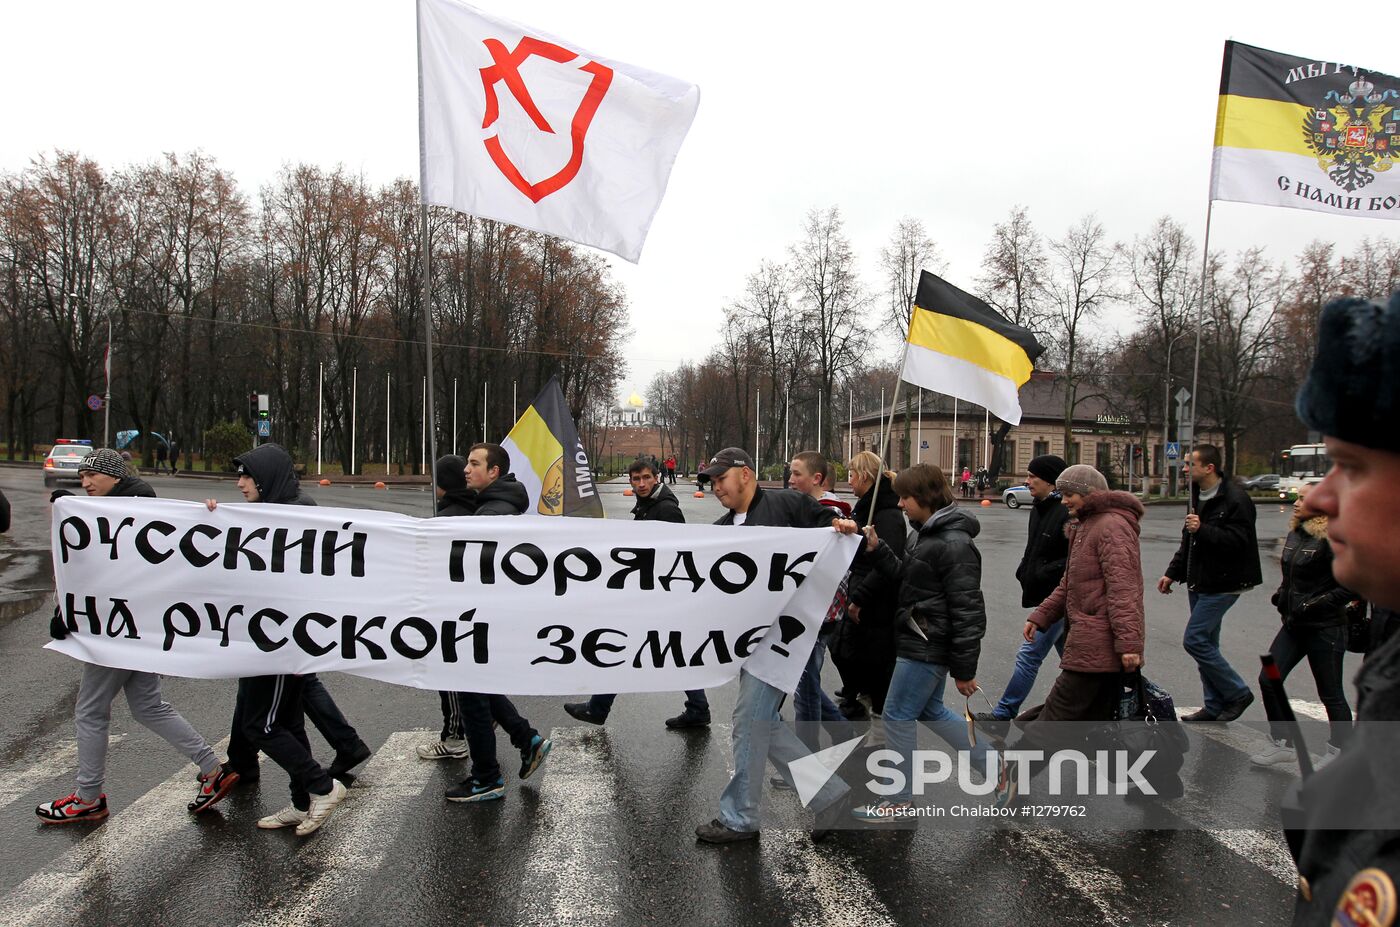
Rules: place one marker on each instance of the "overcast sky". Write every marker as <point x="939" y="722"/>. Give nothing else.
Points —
<point x="950" y="113"/>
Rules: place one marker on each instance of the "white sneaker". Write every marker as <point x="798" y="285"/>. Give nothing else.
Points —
<point x="287" y="817"/>
<point x="1331" y="754"/>
<point x="1278" y="753"/>
<point x="443" y="750"/>
<point x="321" y="808"/>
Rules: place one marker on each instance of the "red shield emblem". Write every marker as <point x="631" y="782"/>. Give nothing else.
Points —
<point x="506" y="69"/>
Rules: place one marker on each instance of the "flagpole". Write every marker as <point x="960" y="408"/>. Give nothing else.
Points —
<point x="424" y="447"/>
<point x="430" y="413"/>
<point x="388" y="411"/>
<point x="955" y="433"/>
<point x="1200" y="326"/>
<point x="454" y="421"/>
<point x="850" y="423"/>
<point x="919" y="431"/>
<point x="354" y="411"/>
<point x="885" y="436"/>
<point x="820" y="446"/>
<point x="320" y="414"/>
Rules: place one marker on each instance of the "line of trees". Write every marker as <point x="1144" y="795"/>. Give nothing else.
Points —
<point x="807" y="338"/>
<point x="212" y="295"/>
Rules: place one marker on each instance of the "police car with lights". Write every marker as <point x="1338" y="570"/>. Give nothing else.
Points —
<point x="62" y="462"/>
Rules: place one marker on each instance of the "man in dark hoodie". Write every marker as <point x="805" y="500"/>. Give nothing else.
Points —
<point x="498" y="492"/>
<point x="454" y="498"/>
<point x="1042" y="565"/>
<point x="268" y="715"/>
<point x="655" y="502"/>
<point x="104" y="473"/>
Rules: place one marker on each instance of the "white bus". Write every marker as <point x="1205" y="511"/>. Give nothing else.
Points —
<point x="1301" y="465"/>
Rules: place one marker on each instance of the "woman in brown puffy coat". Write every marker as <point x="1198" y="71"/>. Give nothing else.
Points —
<point x="1100" y="596"/>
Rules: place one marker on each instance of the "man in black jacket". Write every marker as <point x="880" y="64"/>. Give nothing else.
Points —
<point x="759" y="733"/>
<point x="270" y="713"/>
<point x="655" y="502"/>
<point x="1218" y="560"/>
<point x="454" y="499"/>
<point x="1348" y="853"/>
<point x="1042" y="565"/>
<point x="498" y="492"/>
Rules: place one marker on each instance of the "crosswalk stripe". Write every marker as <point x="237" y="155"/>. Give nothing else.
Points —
<point x="567" y="859"/>
<point x="134" y="836"/>
<point x="1101" y="887"/>
<point x="1314" y="710"/>
<point x="355" y="842"/>
<point x="61" y="759"/>
<point x="1248" y="741"/>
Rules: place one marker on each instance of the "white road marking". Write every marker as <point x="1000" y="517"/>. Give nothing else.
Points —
<point x="1102" y="888"/>
<point x="129" y="841"/>
<point x="60" y="759"/>
<point x="567" y="862"/>
<point x="354" y="843"/>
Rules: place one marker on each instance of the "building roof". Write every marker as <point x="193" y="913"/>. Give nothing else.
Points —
<point x="1042" y="400"/>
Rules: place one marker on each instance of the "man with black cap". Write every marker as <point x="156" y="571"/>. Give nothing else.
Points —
<point x="104" y="473"/>
<point x="731" y="472"/>
<point x="268" y="714"/>
<point x="1348" y="855"/>
<point x="1042" y="565"/>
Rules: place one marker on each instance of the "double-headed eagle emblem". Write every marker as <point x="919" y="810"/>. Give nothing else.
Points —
<point x="1357" y="137"/>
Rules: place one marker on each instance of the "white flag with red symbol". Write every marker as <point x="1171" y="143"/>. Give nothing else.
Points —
<point x="528" y="129"/>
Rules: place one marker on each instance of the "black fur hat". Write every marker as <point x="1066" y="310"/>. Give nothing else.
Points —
<point x="1353" y="389"/>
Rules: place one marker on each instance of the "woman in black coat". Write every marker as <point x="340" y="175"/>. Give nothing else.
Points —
<point x="1313" y="606"/>
<point x="864" y="648"/>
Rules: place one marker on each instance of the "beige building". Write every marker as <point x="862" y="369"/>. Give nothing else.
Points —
<point x="1102" y="435"/>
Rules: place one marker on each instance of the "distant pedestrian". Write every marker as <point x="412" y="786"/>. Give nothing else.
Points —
<point x="671" y="469"/>
<point x="160" y="457"/>
<point x="1313" y="606"/>
<point x="1218" y="560"/>
<point x="174" y="457"/>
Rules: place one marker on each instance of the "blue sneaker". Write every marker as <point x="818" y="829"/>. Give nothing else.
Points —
<point x="476" y="790"/>
<point x="532" y="757"/>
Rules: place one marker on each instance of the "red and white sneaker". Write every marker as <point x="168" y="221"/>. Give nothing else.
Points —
<point x="71" y="809"/>
<point x="213" y="788"/>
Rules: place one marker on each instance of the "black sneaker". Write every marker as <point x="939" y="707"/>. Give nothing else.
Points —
<point x="993" y="724"/>
<point x="1202" y="716"/>
<point x="533" y="756"/>
<point x="715" y="832"/>
<point x="853" y="710"/>
<point x="472" y="790"/>
<point x="688" y="719"/>
<point x="70" y="809"/>
<point x="344" y="762"/>
<point x="581" y="712"/>
<point x="212" y="789"/>
<point x="1237" y="707"/>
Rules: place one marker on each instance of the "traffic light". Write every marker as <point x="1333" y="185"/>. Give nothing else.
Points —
<point x="262" y="407"/>
<point x="252" y="407"/>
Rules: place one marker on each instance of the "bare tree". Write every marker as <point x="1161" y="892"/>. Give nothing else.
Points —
<point x="1080" y="285"/>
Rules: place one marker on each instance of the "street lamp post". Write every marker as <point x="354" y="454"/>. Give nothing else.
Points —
<point x="1166" y="408"/>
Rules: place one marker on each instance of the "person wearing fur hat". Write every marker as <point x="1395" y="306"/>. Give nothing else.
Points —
<point x="1313" y="606"/>
<point x="1100" y="599"/>
<point x="1345" y="831"/>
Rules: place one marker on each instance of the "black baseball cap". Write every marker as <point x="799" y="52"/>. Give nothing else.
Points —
<point x="725" y="459"/>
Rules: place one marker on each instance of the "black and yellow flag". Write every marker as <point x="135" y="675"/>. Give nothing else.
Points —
<point x="1309" y="134"/>
<point x="960" y="346"/>
<point x="548" y="458"/>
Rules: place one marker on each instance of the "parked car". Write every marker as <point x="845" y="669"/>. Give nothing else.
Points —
<point x="62" y="461"/>
<point x="1262" y="483"/>
<point x="1017" y="496"/>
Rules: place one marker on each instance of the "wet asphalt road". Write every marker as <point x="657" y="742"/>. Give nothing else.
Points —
<point x="604" y="834"/>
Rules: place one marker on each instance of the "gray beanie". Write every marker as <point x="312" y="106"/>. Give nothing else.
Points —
<point x="105" y="460"/>
<point x="1081" y="478"/>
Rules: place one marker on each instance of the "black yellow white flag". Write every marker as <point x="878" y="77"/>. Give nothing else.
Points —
<point x="548" y="458"/>
<point x="960" y="346"/>
<point x="1309" y="134"/>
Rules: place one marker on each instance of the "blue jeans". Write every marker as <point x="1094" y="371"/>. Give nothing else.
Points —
<point x="1221" y="684"/>
<point x="695" y="703"/>
<point x="810" y="704"/>
<point x="760" y="736"/>
<point x="1028" y="660"/>
<point x="916" y="694"/>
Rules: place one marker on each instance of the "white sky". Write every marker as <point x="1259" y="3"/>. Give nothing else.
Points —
<point x="949" y="112"/>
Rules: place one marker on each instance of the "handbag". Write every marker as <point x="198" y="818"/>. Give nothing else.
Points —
<point x="1358" y="626"/>
<point x="1146" y="720"/>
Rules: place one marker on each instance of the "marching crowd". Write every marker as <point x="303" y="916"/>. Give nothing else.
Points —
<point x="910" y="615"/>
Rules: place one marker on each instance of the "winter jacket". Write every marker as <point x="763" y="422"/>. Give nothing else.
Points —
<point x="661" y="505"/>
<point x="457" y="501"/>
<point x="1309" y="597"/>
<point x="877" y="596"/>
<point x="132" y="486"/>
<point x="1100" y="594"/>
<point x="940" y="579"/>
<point x="1043" y="563"/>
<point x="783" y="508"/>
<point x="1223" y="554"/>
<point x="4" y="513"/>
<point x="271" y="469"/>
<point x="506" y="496"/>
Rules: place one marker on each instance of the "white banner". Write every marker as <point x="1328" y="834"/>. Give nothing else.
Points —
<point x="515" y="606"/>
<point x="523" y="127"/>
